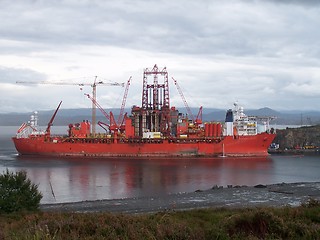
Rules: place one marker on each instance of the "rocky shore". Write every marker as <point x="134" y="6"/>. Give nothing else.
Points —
<point x="276" y="195"/>
<point x="299" y="140"/>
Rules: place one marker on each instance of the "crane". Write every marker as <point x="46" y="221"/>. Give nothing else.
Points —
<point x="183" y="99"/>
<point x="94" y="92"/>
<point x="51" y="120"/>
<point x="198" y="119"/>
<point x="125" y="95"/>
<point x="110" y="117"/>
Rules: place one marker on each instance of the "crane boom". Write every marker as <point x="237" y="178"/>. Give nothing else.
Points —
<point x="183" y="99"/>
<point x="74" y="84"/>
<point x="98" y="105"/>
<point x="198" y="119"/>
<point x="125" y="95"/>
<point x="52" y="118"/>
<point x="110" y="116"/>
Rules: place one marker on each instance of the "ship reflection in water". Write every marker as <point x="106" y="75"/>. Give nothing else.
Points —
<point x="66" y="180"/>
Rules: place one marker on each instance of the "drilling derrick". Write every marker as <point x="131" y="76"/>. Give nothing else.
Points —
<point x="155" y="111"/>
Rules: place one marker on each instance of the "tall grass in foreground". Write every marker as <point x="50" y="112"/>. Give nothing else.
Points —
<point x="258" y="223"/>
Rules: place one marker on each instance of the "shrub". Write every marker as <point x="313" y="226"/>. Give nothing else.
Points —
<point x="18" y="193"/>
<point x="259" y="223"/>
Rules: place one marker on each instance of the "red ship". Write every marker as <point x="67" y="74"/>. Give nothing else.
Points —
<point x="155" y="129"/>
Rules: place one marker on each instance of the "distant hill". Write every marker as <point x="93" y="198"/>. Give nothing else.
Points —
<point x="66" y="116"/>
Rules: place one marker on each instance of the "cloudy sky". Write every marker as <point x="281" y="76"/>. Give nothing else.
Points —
<point x="259" y="53"/>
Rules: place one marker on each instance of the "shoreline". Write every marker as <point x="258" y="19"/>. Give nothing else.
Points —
<point x="308" y="152"/>
<point x="274" y="195"/>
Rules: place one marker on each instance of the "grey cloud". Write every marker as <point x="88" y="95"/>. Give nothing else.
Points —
<point x="268" y="42"/>
<point x="11" y="75"/>
<point x="296" y="2"/>
<point x="235" y="27"/>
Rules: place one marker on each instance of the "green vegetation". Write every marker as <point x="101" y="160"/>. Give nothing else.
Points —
<point x="299" y="138"/>
<point x="17" y="193"/>
<point x="259" y="223"/>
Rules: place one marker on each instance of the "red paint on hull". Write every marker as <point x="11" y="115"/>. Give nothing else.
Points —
<point x="255" y="145"/>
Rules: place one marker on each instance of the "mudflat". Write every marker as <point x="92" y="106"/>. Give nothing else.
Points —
<point x="275" y="195"/>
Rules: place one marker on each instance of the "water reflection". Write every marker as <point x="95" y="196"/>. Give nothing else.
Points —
<point x="68" y="179"/>
<point x="71" y="179"/>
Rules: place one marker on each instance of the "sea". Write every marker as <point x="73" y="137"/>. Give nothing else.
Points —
<point x="81" y="179"/>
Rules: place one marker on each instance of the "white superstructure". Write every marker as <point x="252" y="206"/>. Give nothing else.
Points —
<point x="239" y="124"/>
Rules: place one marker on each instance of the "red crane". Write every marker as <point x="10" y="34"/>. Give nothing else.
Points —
<point x="125" y="95"/>
<point x="51" y="120"/>
<point x="113" y="125"/>
<point x="183" y="99"/>
<point x="198" y="119"/>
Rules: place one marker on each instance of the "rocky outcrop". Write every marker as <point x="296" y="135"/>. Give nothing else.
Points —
<point x="298" y="138"/>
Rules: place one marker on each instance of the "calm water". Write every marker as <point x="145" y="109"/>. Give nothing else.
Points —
<point x="65" y="180"/>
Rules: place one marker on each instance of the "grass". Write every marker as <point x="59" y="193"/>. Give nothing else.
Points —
<point x="257" y="223"/>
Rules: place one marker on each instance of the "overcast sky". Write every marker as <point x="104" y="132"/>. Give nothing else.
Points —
<point x="259" y="53"/>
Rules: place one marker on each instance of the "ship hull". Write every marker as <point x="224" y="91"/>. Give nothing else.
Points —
<point x="256" y="145"/>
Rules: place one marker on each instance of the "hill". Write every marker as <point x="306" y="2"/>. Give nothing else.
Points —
<point x="66" y="116"/>
<point x="297" y="138"/>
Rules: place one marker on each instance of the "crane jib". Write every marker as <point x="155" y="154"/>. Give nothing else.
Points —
<point x="52" y="118"/>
